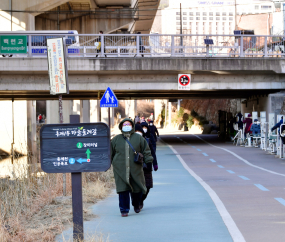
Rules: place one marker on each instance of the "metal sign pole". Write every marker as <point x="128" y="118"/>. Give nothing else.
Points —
<point x="61" y="121"/>
<point x="109" y="118"/>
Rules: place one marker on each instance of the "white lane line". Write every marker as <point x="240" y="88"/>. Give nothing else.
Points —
<point x="244" y="177"/>
<point x="228" y="220"/>
<point x="242" y="159"/>
<point x="232" y="172"/>
<point x="221" y="166"/>
<point x="204" y="154"/>
<point x="281" y="200"/>
<point x="212" y="160"/>
<point x="262" y="188"/>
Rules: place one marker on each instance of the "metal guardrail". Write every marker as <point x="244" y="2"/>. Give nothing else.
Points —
<point x="157" y="45"/>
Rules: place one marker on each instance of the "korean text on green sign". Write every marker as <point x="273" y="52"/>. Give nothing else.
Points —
<point x="13" y="44"/>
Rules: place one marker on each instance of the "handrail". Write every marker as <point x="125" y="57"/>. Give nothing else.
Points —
<point x="158" y="45"/>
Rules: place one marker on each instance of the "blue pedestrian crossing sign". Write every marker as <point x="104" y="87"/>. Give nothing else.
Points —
<point x="109" y="99"/>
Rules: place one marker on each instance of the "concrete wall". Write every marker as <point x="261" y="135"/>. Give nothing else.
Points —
<point x="20" y="126"/>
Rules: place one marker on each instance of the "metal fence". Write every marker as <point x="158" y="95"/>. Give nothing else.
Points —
<point x="156" y="45"/>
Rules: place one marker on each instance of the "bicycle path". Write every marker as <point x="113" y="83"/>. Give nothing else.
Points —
<point x="178" y="208"/>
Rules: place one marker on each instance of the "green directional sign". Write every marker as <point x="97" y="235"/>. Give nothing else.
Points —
<point x="13" y="44"/>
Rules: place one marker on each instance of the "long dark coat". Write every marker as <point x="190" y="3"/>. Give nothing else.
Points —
<point x="129" y="175"/>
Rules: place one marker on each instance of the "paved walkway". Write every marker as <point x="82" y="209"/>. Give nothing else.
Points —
<point x="178" y="208"/>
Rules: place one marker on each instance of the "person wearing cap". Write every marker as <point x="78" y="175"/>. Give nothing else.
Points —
<point x="255" y="128"/>
<point x="129" y="176"/>
<point x="153" y="130"/>
<point x="147" y="169"/>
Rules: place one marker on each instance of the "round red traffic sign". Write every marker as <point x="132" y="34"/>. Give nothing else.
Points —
<point x="184" y="80"/>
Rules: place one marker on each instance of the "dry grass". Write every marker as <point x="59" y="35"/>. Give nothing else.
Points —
<point x="32" y="207"/>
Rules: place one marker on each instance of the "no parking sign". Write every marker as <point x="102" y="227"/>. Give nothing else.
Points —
<point x="184" y="81"/>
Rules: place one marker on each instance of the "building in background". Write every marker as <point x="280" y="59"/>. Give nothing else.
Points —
<point x="215" y="17"/>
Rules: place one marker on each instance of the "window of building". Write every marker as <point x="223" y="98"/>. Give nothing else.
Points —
<point x="184" y="23"/>
<point x="231" y="18"/>
<point x="177" y="13"/>
<point x="218" y="14"/>
<point x="204" y="13"/>
<point x="197" y="18"/>
<point x="224" y="23"/>
<point x="224" y="18"/>
<point x="204" y="18"/>
<point x="231" y="14"/>
<point x="197" y="13"/>
<point x="211" y="13"/>
<point x="184" y="13"/>
<point x="191" y="14"/>
<point x="177" y="23"/>
<point x="191" y="18"/>
<point x="184" y="18"/>
<point x="184" y="27"/>
<point x="217" y="18"/>
<point x="224" y="14"/>
<point x="177" y="27"/>
<point x="177" y="32"/>
<point x="177" y="18"/>
<point x="211" y="18"/>
<point x="265" y="7"/>
<point x="256" y="7"/>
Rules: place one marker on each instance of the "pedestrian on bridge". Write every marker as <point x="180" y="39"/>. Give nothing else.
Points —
<point x="146" y="168"/>
<point x="129" y="176"/>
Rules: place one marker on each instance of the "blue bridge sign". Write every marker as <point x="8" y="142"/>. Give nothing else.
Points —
<point x="109" y="99"/>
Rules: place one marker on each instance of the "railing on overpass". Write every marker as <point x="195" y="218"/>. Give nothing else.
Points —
<point x="157" y="45"/>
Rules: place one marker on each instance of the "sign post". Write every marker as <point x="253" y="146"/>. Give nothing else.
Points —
<point x="75" y="148"/>
<point x="109" y="100"/>
<point x="58" y="76"/>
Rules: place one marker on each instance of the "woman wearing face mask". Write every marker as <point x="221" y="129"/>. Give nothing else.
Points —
<point x="147" y="169"/>
<point x="148" y="134"/>
<point x="129" y="176"/>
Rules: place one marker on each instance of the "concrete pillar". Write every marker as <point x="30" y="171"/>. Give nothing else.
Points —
<point x="178" y="104"/>
<point x="76" y="107"/>
<point x="169" y="113"/>
<point x="52" y="112"/>
<point x="131" y="108"/>
<point x="104" y="115"/>
<point x="67" y="110"/>
<point x="95" y="111"/>
<point x="32" y="129"/>
<point x="85" y="111"/>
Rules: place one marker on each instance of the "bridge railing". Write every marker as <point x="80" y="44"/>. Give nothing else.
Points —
<point x="157" y="45"/>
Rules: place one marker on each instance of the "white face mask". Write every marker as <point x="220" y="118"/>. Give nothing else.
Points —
<point x="139" y="133"/>
<point x="145" y="130"/>
<point x="255" y="122"/>
<point x="151" y="124"/>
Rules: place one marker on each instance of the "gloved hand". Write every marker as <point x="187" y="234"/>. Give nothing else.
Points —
<point x="155" y="167"/>
<point x="271" y="130"/>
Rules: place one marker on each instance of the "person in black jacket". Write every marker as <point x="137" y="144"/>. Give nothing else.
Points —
<point x="148" y="134"/>
<point x="147" y="169"/>
<point x="153" y="130"/>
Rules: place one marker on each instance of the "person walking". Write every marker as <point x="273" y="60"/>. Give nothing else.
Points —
<point x="248" y="122"/>
<point x="255" y="128"/>
<point x="146" y="168"/>
<point x="129" y="176"/>
<point x="153" y="130"/>
<point x="40" y="117"/>
<point x="148" y="134"/>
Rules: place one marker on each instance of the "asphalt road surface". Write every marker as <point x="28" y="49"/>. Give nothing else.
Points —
<point x="204" y="190"/>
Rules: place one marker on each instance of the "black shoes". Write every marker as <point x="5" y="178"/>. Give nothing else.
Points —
<point x="137" y="210"/>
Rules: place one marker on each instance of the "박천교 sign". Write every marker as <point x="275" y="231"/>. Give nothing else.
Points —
<point x="57" y="67"/>
<point x="13" y="44"/>
<point x="83" y="147"/>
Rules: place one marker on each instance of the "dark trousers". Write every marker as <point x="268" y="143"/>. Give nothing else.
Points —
<point x="145" y="195"/>
<point x="124" y="200"/>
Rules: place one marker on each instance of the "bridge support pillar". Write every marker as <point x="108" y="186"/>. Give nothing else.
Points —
<point x="85" y="111"/>
<point x="131" y="108"/>
<point x="104" y="115"/>
<point x="95" y="111"/>
<point x="52" y="111"/>
<point x="169" y="113"/>
<point x="32" y="130"/>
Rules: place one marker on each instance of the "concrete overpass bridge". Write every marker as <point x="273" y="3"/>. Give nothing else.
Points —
<point x="148" y="77"/>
